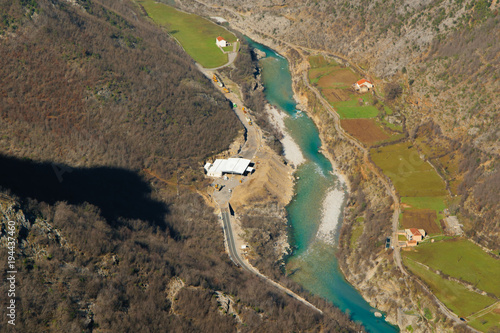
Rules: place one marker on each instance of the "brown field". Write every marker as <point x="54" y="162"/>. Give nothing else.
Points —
<point x="335" y="95"/>
<point x="421" y="219"/>
<point x="365" y="130"/>
<point x="342" y="76"/>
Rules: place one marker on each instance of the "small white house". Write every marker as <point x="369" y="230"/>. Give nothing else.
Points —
<point x="221" y="42"/>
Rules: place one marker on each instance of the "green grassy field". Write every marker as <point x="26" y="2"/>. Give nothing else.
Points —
<point x="394" y="137"/>
<point x="455" y="296"/>
<point x="320" y="67"/>
<point x="436" y="203"/>
<point x="352" y="110"/>
<point x="196" y="34"/>
<point x="490" y="322"/>
<point x="463" y="260"/>
<point x="316" y="73"/>
<point x="393" y="127"/>
<point x="412" y="176"/>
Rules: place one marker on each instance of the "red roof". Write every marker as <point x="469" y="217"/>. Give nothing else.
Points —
<point x="220" y="38"/>
<point x="415" y="232"/>
<point x="360" y="82"/>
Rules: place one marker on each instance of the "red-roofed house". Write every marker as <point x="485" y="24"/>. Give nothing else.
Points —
<point x="415" y="234"/>
<point x="363" y="85"/>
<point x="221" y="42"/>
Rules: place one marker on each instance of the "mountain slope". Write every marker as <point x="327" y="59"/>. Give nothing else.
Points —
<point x="82" y="82"/>
<point x="92" y="94"/>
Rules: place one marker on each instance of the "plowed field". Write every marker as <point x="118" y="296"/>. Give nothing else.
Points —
<point x="365" y="130"/>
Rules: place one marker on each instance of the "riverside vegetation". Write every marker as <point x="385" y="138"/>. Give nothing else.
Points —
<point x="105" y="126"/>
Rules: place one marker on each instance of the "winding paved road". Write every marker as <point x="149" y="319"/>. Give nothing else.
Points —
<point x="248" y="150"/>
<point x="253" y="133"/>
<point x="236" y="258"/>
<point x="228" y="233"/>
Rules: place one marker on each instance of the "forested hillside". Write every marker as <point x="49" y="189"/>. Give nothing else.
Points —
<point x="82" y="85"/>
<point x="101" y="112"/>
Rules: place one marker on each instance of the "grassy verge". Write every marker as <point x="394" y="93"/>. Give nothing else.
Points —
<point x="195" y="34"/>
<point x="455" y="296"/>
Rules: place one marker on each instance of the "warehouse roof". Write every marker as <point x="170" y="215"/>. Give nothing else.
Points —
<point x="231" y="165"/>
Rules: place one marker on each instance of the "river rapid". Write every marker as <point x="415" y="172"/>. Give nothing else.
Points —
<point x="315" y="213"/>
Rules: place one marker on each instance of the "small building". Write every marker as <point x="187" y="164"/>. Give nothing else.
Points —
<point x="220" y="42"/>
<point x="414" y="234"/>
<point x="220" y="167"/>
<point x="363" y="85"/>
<point x="411" y="243"/>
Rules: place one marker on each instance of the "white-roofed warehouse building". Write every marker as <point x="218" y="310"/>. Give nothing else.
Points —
<point x="238" y="166"/>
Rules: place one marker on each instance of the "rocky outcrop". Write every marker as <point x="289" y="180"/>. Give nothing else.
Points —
<point x="258" y="53"/>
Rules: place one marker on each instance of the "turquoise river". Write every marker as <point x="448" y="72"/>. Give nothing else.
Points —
<point x="313" y="261"/>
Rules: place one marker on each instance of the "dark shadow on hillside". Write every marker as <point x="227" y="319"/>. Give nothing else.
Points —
<point x="118" y="193"/>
